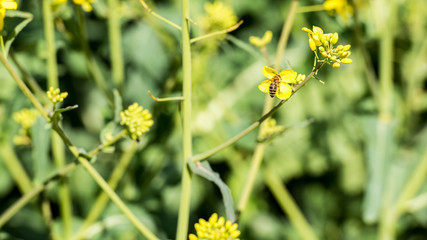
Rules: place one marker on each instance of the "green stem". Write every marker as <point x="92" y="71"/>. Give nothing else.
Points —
<point x="165" y="99"/>
<point x="32" y="83"/>
<point x="12" y="210"/>
<point x="65" y="204"/>
<point x="312" y="8"/>
<point x="114" y="35"/>
<point x="49" y="32"/>
<point x="413" y="185"/>
<point x="205" y="155"/>
<point x="116" y="199"/>
<point x="158" y="16"/>
<point x="92" y="65"/>
<point x="102" y="199"/>
<point x="184" y="205"/>
<point x="387" y="23"/>
<point x="289" y="206"/>
<point x="260" y="147"/>
<point x="24" y="88"/>
<point x="369" y="68"/>
<point x="214" y="34"/>
<point x="15" y="167"/>
<point x="57" y="145"/>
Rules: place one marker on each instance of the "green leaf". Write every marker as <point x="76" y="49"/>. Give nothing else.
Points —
<point x="28" y="17"/>
<point x="204" y="170"/>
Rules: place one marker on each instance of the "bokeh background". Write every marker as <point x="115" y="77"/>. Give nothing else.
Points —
<point x="341" y="169"/>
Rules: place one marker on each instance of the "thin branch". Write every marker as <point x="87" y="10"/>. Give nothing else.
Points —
<point x="24" y="88"/>
<point x="209" y="35"/>
<point x="144" y="4"/>
<point x="202" y="156"/>
<point x="165" y="99"/>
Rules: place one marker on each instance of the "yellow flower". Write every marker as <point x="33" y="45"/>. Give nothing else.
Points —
<point x="4" y="5"/>
<point x="26" y="117"/>
<point x="86" y="4"/>
<point x="55" y="95"/>
<point x="215" y="229"/>
<point x="278" y="83"/>
<point x="314" y="37"/>
<point x="340" y="7"/>
<point x="261" y="42"/>
<point x="324" y="43"/>
<point x="136" y="120"/>
<point x="219" y="16"/>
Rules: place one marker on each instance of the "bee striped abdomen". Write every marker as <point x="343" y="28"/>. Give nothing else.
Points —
<point x="273" y="89"/>
<point x="273" y="86"/>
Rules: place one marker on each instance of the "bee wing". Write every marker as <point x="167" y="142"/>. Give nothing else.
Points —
<point x="284" y="91"/>
<point x="264" y="86"/>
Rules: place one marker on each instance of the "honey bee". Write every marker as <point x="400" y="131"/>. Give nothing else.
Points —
<point x="274" y="84"/>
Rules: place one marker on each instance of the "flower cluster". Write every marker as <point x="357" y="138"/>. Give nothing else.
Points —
<point x="279" y="84"/>
<point x="55" y="95"/>
<point x="136" y="120"/>
<point x="340" y="7"/>
<point x="215" y="229"/>
<point x="26" y="118"/>
<point x="219" y="16"/>
<point x="261" y="42"/>
<point x="6" y="5"/>
<point x="324" y="44"/>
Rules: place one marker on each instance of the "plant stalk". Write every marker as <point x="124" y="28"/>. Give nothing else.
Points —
<point x="184" y="206"/>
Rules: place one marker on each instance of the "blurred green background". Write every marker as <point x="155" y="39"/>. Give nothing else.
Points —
<point x="336" y="168"/>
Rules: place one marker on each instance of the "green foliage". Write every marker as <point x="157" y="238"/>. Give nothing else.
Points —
<point x="349" y="170"/>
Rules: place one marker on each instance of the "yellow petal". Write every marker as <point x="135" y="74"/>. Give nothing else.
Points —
<point x="285" y="91"/>
<point x="346" y="60"/>
<point x="288" y="76"/>
<point x="268" y="35"/>
<point x="307" y="30"/>
<point x="269" y="72"/>
<point x="9" y="5"/>
<point x="336" y="65"/>
<point x="317" y="30"/>
<point x="264" y="86"/>
<point x="312" y="44"/>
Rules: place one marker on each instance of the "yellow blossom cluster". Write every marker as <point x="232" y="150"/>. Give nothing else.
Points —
<point x="136" y="120"/>
<point x="55" y="95"/>
<point x="26" y="118"/>
<point x="6" y="5"/>
<point x="324" y="44"/>
<point x="279" y="84"/>
<point x="261" y="42"/>
<point x="219" y="16"/>
<point x="215" y="229"/>
<point x="340" y="7"/>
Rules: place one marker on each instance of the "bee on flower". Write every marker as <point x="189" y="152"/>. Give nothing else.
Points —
<point x="323" y="43"/>
<point x="279" y="84"/>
